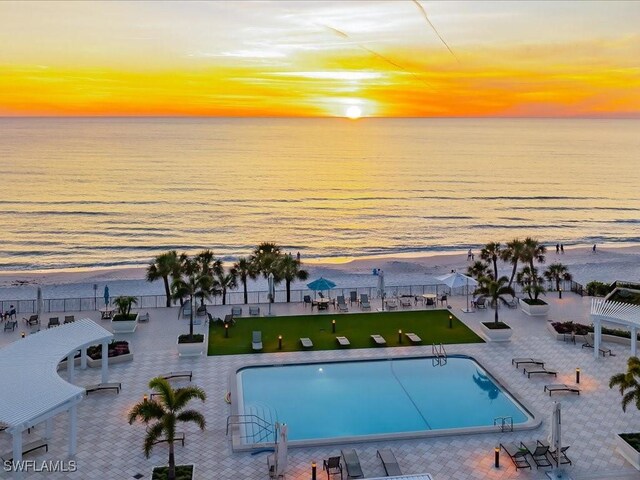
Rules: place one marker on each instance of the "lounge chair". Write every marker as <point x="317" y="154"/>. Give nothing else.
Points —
<point x="307" y="301"/>
<point x="513" y="303"/>
<point x="481" y="303"/>
<point x="538" y="369"/>
<point x="103" y="386"/>
<point x="236" y="311"/>
<point x="518" y="361"/>
<point x="53" y="322"/>
<point x="72" y="318"/>
<point x="587" y="343"/>
<point x="353" y="297"/>
<point x="10" y="325"/>
<point x="561" y="387"/>
<point x="563" y="456"/>
<point x="306" y="342"/>
<point x="352" y="463"/>
<point x="405" y="302"/>
<point x="180" y="374"/>
<point x="32" y="320"/>
<point x="201" y="311"/>
<point x="413" y="338"/>
<point x="379" y="340"/>
<point x="538" y="452"/>
<point x="343" y="341"/>
<point x="333" y="466"/>
<point x="364" y="302"/>
<point x="518" y="456"/>
<point x="342" y="305"/>
<point x="26" y="448"/>
<point x="254" y="311"/>
<point x="389" y="462"/>
<point x="392" y="304"/>
<point x="256" y="341"/>
<point x="141" y="318"/>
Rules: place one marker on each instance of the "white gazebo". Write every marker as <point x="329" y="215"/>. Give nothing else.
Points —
<point x="624" y="314"/>
<point x="32" y="392"/>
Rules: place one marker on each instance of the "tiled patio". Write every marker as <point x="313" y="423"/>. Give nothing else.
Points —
<point x="108" y="448"/>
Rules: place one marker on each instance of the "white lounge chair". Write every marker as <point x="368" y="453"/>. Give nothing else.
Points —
<point x="343" y="341"/>
<point x="413" y="338"/>
<point x="306" y="342"/>
<point x="379" y="339"/>
<point x="256" y="342"/>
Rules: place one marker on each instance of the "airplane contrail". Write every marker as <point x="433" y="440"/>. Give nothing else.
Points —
<point x="424" y="14"/>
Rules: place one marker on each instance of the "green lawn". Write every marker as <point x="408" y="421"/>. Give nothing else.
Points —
<point x="432" y="326"/>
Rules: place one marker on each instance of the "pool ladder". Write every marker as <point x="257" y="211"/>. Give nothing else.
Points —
<point x="505" y="423"/>
<point x="439" y="354"/>
<point x="261" y="430"/>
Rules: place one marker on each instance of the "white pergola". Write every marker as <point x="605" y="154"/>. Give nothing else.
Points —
<point x="623" y="314"/>
<point x="32" y="392"/>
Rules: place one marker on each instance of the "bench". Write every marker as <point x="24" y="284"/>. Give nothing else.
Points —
<point x="182" y="374"/>
<point x="177" y="437"/>
<point x="26" y="448"/>
<point x="103" y="386"/>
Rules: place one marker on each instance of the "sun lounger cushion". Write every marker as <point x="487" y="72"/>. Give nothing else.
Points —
<point x="389" y="462"/>
<point x="352" y="463"/>
<point x="379" y="339"/>
<point x="343" y="341"/>
<point x="306" y="343"/>
<point x="413" y="338"/>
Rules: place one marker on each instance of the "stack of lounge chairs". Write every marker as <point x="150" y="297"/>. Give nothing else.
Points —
<point x="539" y="452"/>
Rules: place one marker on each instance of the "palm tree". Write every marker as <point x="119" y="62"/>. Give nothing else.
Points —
<point x="163" y="266"/>
<point x="495" y="289"/>
<point x="479" y="270"/>
<point x="124" y="304"/>
<point x="193" y="284"/>
<point x="245" y="269"/>
<point x="491" y="252"/>
<point x="533" y="251"/>
<point x="208" y="263"/>
<point x="532" y="283"/>
<point x="628" y="381"/>
<point x="512" y="254"/>
<point x="165" y="412"/>
<point x="556" y="273"/>
<point x="223" y="282"/>
<point x="288" y="269"/>
<point x="264" y="257"/>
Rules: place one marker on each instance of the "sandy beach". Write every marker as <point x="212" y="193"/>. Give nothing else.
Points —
<point x="609" y="263"/>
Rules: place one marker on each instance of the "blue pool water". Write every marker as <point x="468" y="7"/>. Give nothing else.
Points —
<point x="375" y="397"/>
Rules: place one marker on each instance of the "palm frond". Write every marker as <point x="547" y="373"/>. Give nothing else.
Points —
<point x="163" y="387"/>
<point x="185" y="394"/>
<point x="146" y="411"/>
<point x="192" y="416"/>
<point x="154" y="432"/>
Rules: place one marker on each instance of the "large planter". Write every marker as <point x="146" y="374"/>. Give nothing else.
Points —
<point x="628" y="452"/>
<point x="534" y="310"/>
<point x="194" y="349"/>
<point x="124" y="326"/>
<point x="496" y="334"/>
<point x="193" y="469"/>
<point x="127" y="357"/>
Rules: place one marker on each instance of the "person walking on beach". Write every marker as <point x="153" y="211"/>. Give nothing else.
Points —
<point x="469" y="255"/>
<point x="594" y="248"/>
<point x="298" y="257"/>
<point x="557" y="248"/>
<point x="562" y="249"/>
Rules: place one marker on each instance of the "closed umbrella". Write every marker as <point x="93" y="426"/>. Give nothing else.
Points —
<point x="272" y="290"/>
<point x="106" y="296"/>
<point x="39" y="302"/>
<point x="457" y="280"/>
<point x="281" y="452"/>
<point x="381" y="286"/>
<point x="556" y="431"/>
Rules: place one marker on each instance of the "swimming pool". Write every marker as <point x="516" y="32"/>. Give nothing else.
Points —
<point x="373" y="399"/>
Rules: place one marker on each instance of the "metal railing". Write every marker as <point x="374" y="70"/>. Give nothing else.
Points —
<point x="505" y="423"/>
<point x="260" y="428"/>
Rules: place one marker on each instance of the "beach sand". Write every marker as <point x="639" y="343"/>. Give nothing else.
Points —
<point x="609" y="263"/>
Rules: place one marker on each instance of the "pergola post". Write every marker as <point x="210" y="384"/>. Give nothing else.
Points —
<point x="70" y="366"/>
<point x="105" y="362"/>
<point x="17" y="453"/>
<point x="597" y="336"/>
<point x="83" y="358"/>
<point x="73" y="429"/>
<point x="634" y="339"/>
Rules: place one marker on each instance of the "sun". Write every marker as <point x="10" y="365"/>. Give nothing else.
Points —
<point x="353" y="112"/>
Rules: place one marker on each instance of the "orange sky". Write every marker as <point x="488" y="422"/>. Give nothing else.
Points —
<point x="550" y="59"/>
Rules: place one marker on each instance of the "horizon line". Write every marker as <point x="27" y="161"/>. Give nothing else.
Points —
<point x="399" y="117"/>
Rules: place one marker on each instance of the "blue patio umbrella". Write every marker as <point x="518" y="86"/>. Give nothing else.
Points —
<point x="106" y="296"/>
<point x="321" y="284"/>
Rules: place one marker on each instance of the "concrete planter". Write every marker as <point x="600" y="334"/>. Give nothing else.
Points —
<point x="534" y="310"/>
<point x="605" y="338"/>
<point x="127" y="357"/>
<point x="193" y="471"/>
<point x="192" y="349"/>
<point x="496" y="334"/>
<point x="628" y="452"/>
<point x="124" y="326"/>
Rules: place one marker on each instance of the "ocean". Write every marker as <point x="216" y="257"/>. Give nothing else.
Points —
<point x="97" y="192"/>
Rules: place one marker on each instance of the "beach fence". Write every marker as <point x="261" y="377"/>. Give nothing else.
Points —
<point x="236" y="297"/>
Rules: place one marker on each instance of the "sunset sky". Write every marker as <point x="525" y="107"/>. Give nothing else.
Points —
<point x="306" y="58"/>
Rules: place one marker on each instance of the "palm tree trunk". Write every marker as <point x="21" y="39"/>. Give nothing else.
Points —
<point x="246" y="294"/>
<point x="496" y="311"/>
<point x="191" y="318"/>
<point x="171" y="474"/>
<point x="167" y="290"/>
<point x="288" y="282"/>
<point x="495" y="267"/>
<point x="224" y="295"/>
<point x="513" y="272"/>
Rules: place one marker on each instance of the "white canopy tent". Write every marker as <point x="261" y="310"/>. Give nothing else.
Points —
<point x="624" y="314"/>
<point x="32" y="391"/>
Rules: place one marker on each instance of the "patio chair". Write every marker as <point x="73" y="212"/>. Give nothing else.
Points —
<point x="392" y="304"/>
<point x="538" y="369"/>
<point x="353" y="297"/>
<point x="342" y="305"/>
<point x="587" y="343"/>
<point x="254" y="311"/>
<point x="236" y="311"/>
<point x="517" y="456"/>
<point x="561" y="387"/>
<point x="389" y="462"/>
<point x="538" y="452"/>
<point x="343" y="341"/>
<point x="364" y="302"/>
<point x="379" y="340"/>
<point x="413" y="338"/>
<point x="333" y="466"/>
<point x="53" y="322"/>
<point x="72" y="318"/>
<point x="513" y="303"/>
<point x="405" y="302"/>
<point x="563" y="459"/>
<point x="32" y="320"/>
<point x="256" y="341"/>
<point x="306" y="300"/>
<point x="352" y="463"/>
<point x="228" y="318"/>
<point x="518" y="361"/>
<point x="10" y="325"/>
<point x="306" y="342"/>
<point x="430" y="302"/>
<point x="444" y="300"/>
<point x="481" y="303"/>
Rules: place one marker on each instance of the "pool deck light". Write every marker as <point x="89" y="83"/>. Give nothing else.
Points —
<point x="577" y="375"/>
<point x="399" y="336"/>
<point x="333" y="326"/>
<point x="450" y="321"/>
<point x="496" y="457"/>
<point x="279" y="342"/>
<point x="226" y="330"/>
<point x="313" y="467"/>
<point x="560" y="293"/>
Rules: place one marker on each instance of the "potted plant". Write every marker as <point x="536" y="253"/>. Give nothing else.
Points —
<point x="196" y="282"/>
<point x="124" y="321"/>
<point x="496" y="290"/>
<point x="118" y="352"/>
<point x="628" y="444"/>
<point x="161" y="415"/>
<point x="532" y="284"/>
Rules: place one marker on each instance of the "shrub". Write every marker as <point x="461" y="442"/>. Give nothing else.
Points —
<point x="597" y="289"/>
<point x="195" y="338"/>
<point x="115" y="348"/>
